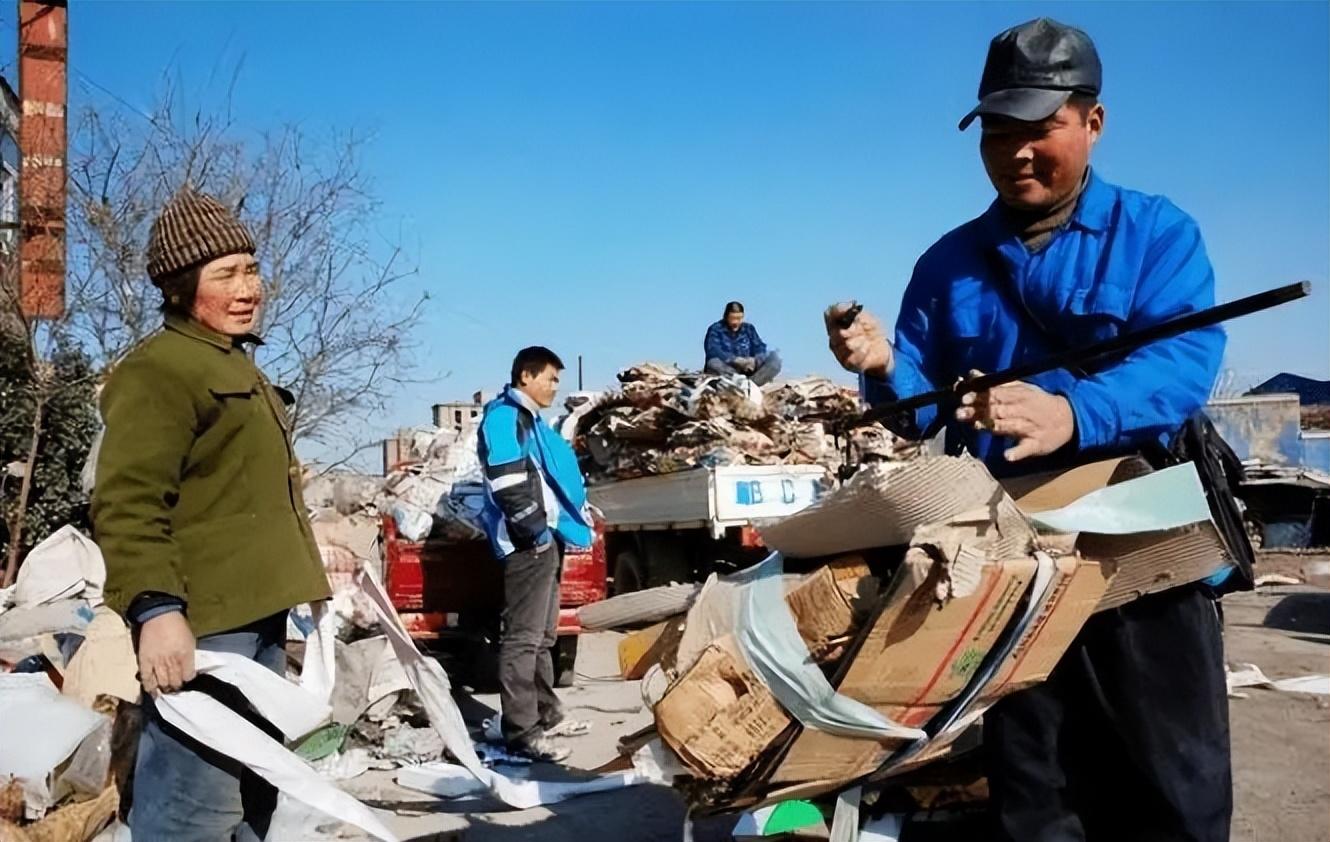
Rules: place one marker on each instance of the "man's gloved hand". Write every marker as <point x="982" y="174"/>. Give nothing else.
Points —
<point x="166" y="653"/>
<point x="1039" y="422"/>
<point x="862" y="347"/>
<point x="745" y="365"/>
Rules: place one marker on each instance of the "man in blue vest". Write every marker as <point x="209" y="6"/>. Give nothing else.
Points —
<point x="1128" y="739"/>
<point x="535" y="506"/>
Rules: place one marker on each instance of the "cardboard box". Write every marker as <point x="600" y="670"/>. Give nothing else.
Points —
<point x="918" y="655"/>
<point x="824" y="604"/>
<point x="719" y="717"/>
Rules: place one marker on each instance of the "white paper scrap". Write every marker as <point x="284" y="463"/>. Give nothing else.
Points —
<point x="431" y="684"/>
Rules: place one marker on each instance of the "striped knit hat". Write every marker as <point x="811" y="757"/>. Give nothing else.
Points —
<point x="193" y="228"/>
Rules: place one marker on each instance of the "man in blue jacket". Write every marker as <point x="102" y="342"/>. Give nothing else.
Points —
<point x="1128" y="739"/>
<point x="733" y="346"/>
<point x="535" y="505"/>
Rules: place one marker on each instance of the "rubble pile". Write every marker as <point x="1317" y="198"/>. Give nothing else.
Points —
<point x="440" y="493"/>
<point x="915" y="596"/>
<point x="663" y="419"/>
<point x="67" y="666"/>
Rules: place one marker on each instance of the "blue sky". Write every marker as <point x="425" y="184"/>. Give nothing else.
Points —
<point x="601" y="178"/>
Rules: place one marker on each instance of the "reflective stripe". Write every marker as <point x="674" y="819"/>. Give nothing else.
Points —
<point x="508" y="481"/>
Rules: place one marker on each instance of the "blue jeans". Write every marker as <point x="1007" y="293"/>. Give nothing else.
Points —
<point x="768" y="366"/>
<point x="185" y="791"/>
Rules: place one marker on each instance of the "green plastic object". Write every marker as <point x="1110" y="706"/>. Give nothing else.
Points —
<point x="323" y="742"/>
<point x="789" y="816"/>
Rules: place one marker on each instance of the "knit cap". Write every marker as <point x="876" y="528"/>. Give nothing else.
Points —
<point x="193" y="228"/>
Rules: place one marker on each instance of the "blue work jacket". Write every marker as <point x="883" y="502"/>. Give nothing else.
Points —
<point x="533" y="486"/>
<point x="1124" y="260"/>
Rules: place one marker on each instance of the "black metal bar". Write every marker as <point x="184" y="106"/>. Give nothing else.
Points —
<point x="1093" y="353"/>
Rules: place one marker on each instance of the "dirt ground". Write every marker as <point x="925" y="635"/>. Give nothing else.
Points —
<point x="1281" y="743"/>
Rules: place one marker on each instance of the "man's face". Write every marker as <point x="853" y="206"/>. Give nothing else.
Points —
<point x="733" y="320"/>
<point x="542" y="387"/>
<point x="229" y="295"/>
<point x="1034" y="166"/>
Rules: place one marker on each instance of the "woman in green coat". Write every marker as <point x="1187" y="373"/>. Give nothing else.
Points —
<point x="198" y="511"/>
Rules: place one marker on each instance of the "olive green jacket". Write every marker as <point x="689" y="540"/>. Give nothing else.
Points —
<point x="198" y="490"/>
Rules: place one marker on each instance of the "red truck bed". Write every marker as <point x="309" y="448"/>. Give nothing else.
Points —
<point x="439" y="588"/>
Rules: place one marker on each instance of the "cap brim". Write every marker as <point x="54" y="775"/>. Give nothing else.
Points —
<point x="1028" y="104"/>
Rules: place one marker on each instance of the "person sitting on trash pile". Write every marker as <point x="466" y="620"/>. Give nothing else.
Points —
<point x="734" y="347"/>
<point x="1128" y="738"/>
<point x="197" y="509"/>
<point x="535" y="506"/>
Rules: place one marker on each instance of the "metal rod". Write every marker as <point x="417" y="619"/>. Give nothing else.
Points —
<point x="579" y="373"/>
<point x="1122" y="344"/>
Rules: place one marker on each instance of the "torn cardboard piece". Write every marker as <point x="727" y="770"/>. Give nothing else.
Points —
<point x="719" y="716"/>
<point x="884" y="504"/>
<point x="1140" y="563"/>
<point x="824" y="603"/>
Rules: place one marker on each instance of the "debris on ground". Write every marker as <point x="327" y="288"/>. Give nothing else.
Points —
<point x="907" y="594"/>
<point x="1250" y="675"/>
<point x="441" y="493"/>
<point x="663" y="419"/>
<point x="1276" y="579"/>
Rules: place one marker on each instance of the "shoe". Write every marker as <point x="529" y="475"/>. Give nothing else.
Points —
<point x="540" y="748"/>
<point x="568" y="728"/>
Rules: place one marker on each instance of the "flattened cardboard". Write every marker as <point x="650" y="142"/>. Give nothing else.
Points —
<point x="1139" y="564"/>
<point x="916" y="656"/>
<point x="883" y="505"/>
<point x="913" y="639"/>
<point x="719" y="717"/>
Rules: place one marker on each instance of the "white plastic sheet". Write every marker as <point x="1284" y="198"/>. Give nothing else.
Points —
<point x="1159" y="500"/>
<point x="293" y="710"/>
<point x="845" y="821"/>
<point x="39" y="730"/>
<point x="769" y="640"/>
<point x="432" y="686"/>
<point x="67" y="564"/>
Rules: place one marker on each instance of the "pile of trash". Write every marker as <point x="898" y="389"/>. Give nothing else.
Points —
<point x="440" y="493"/>
<point x="70" y="715"/>
<point x="67" y="667"/>
<point x="663" y="419"/>
<point x="892" y="613"/>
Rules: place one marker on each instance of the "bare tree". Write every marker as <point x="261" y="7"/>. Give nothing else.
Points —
<point x="338" y="317"/>
<point x="47" y="423"/>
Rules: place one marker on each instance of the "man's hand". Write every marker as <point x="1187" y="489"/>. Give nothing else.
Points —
<point x="166" y="653"/>
<point x="862" y="347"/>
<point x="1039" y="422"/>
<point x="743" y="365"/>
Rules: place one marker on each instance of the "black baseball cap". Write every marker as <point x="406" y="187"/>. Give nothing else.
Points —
<point x="1033" y="69"/>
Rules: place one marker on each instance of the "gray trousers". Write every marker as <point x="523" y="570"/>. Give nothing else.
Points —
<point x="185" y="791"/>
<point x="530" y="623"/>
<point x="768" y="366"/>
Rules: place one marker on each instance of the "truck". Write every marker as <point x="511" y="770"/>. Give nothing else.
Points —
<point x="450" y="596"/>
<point x="682" y="526"/>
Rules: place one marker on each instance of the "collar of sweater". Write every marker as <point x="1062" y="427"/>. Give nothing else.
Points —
<point x="1036" y="228"/>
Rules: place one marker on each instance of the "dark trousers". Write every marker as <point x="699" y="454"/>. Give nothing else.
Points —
<point x="1127" y="740"/>
<point x="185" y="791"/>
<point x="530" y="623"/>
<point x="768" y="366"/>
